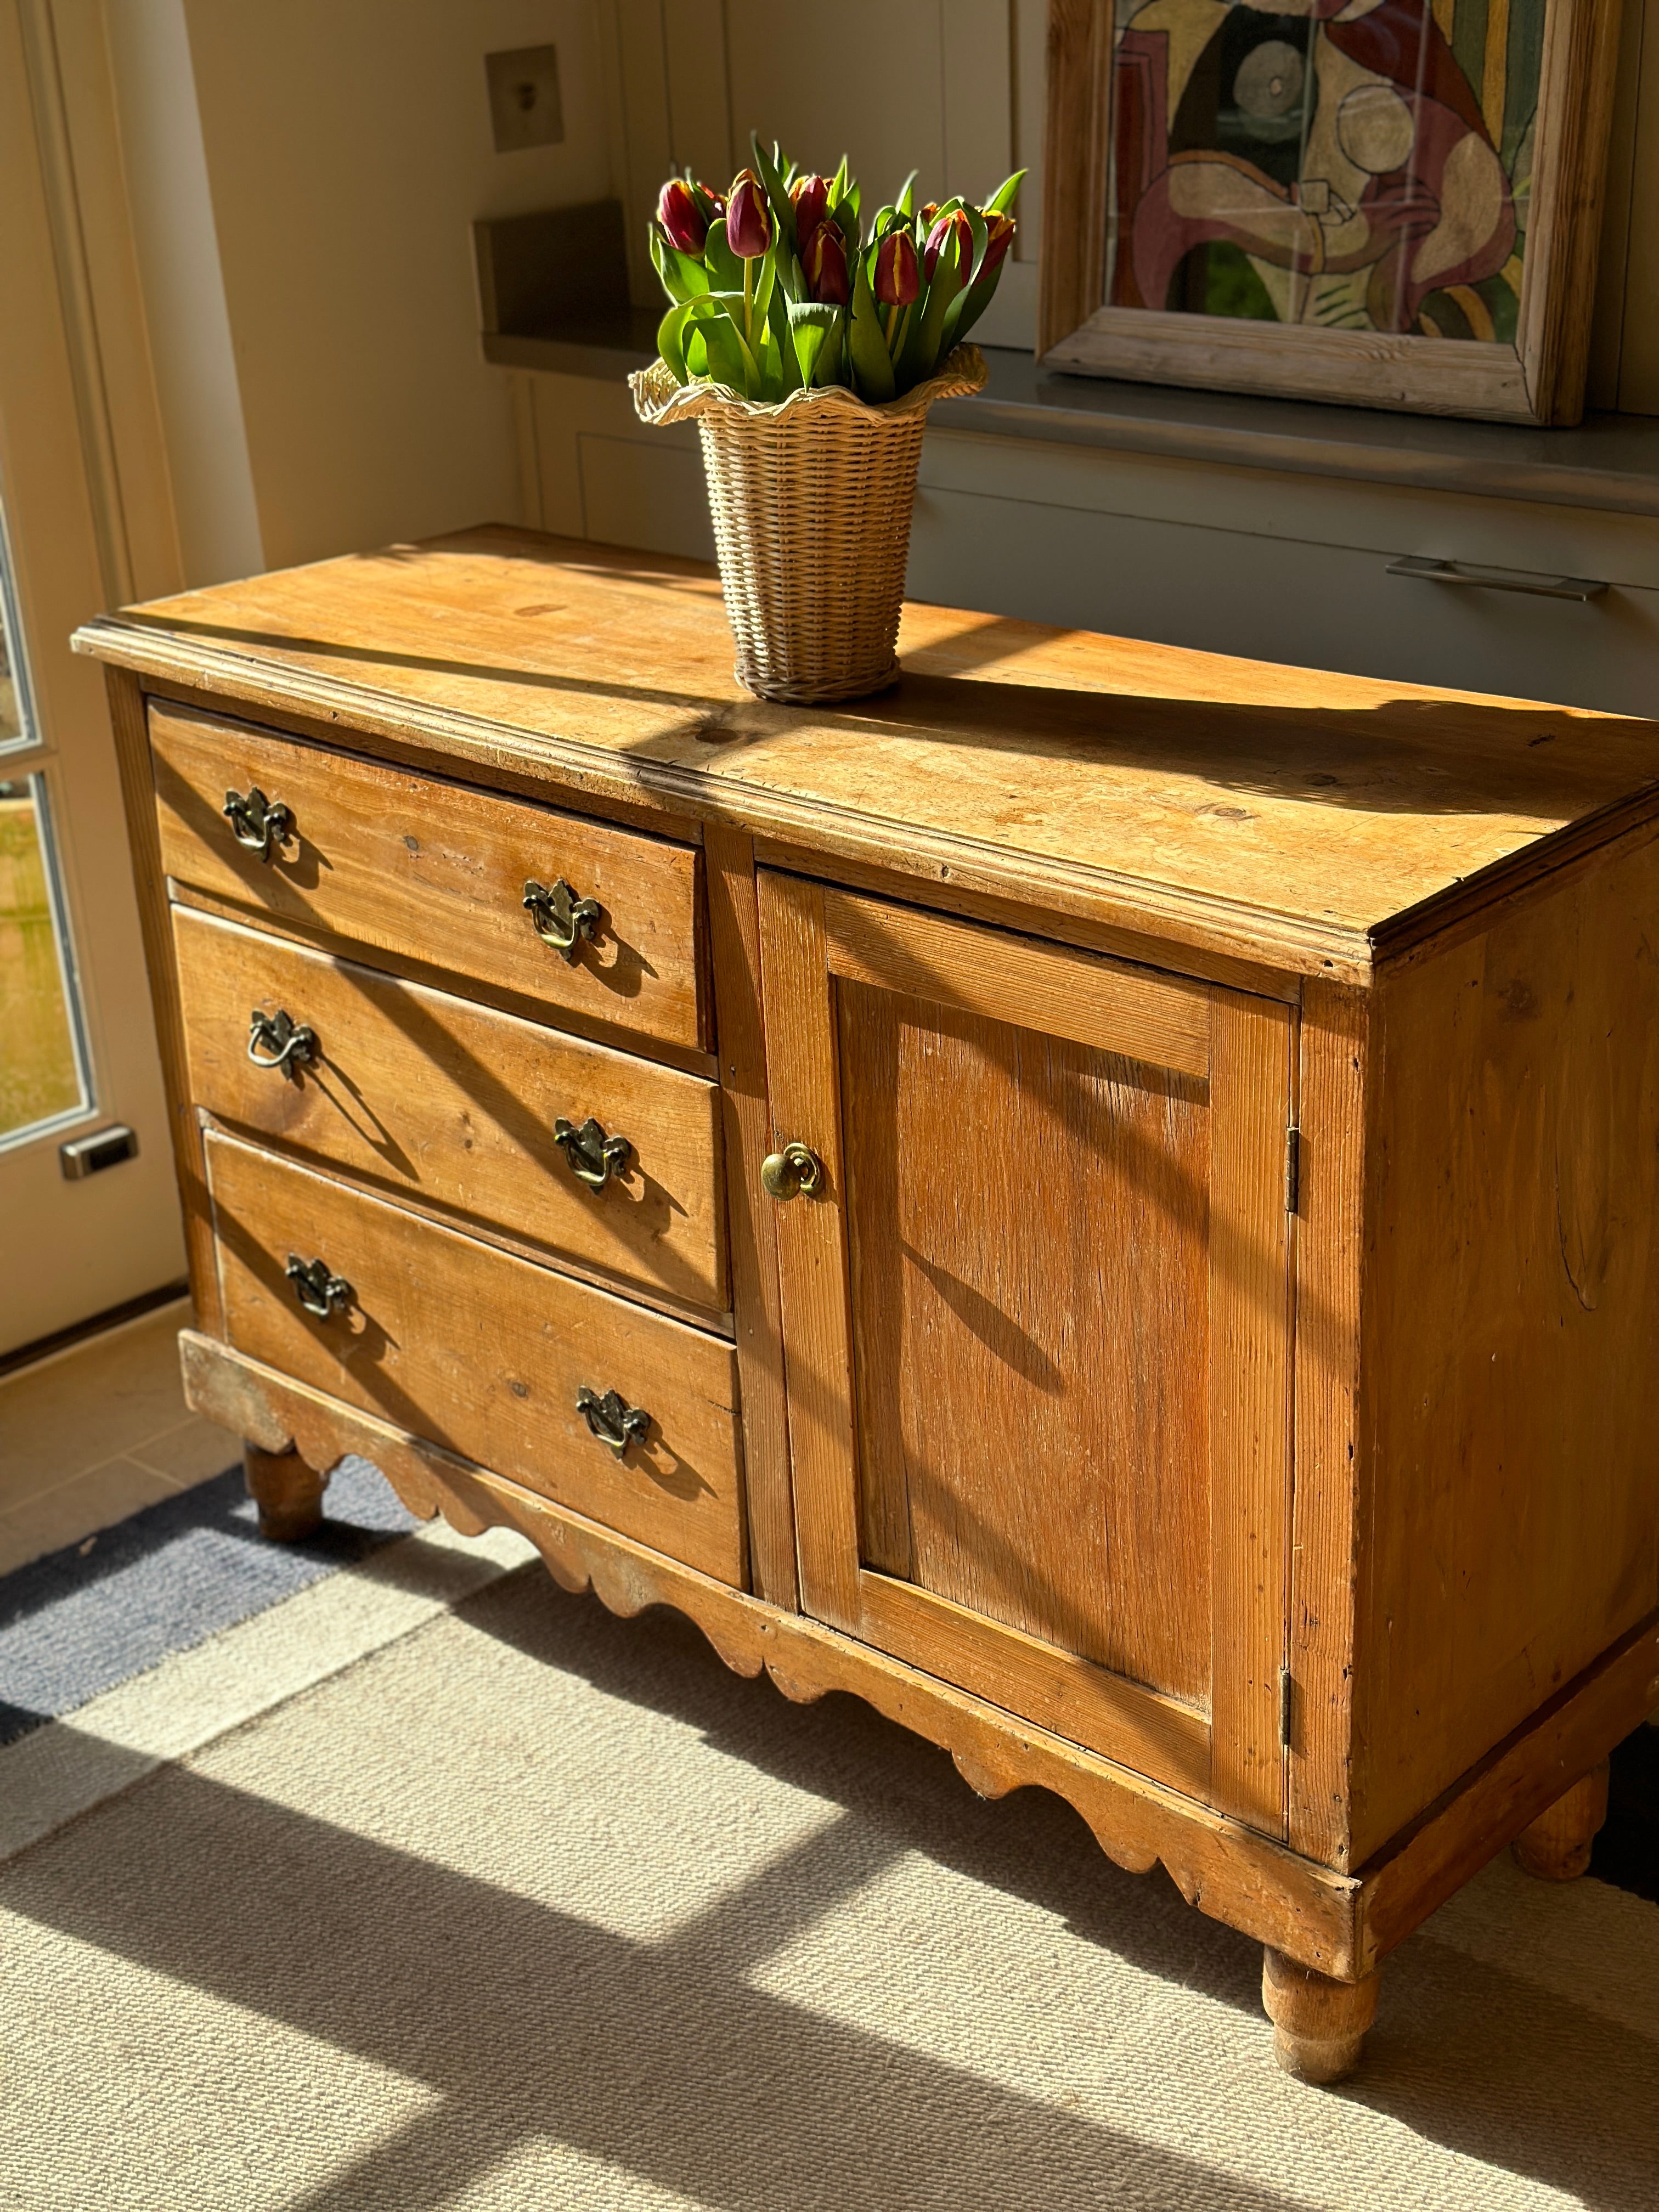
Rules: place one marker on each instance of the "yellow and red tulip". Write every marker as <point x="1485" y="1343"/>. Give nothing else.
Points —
<point x="898" y="273"/>
<point x="810" y="197"/>
<point x="823" y="264"/>
<point x="682" y="221"/>
<point x="748" y="218"/>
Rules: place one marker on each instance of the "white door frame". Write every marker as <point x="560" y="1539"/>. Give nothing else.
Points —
<point x="73" y="1249"/>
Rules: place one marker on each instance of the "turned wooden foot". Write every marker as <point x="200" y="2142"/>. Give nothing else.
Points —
<point x="288" y="1492"/>
<point x="1319" y="2025"/>
<point x="1556" y="1846"/>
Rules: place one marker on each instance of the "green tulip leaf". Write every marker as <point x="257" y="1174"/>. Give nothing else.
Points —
<point x="906" y="201"/>
<point x="811" y="323"/>
<point x="782" y="336"/>
<point x="982" y="238"/>
<point x="926" y="337"/>
<point x="684" y="278"/>
<point x="765" y="277"/>
<point x="723" y="266"/>
<point x="777" y="191"/>
<point x="746" y="373"/>
<point x="872" y="367"/>
<point x="1003" y="199"/>
<point x="671" y="341"/>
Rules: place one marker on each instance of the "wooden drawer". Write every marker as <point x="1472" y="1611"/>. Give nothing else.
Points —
<point x="483" y="1354"/>
<point x="436" y="873"/>
<point x="456" y="1105"/>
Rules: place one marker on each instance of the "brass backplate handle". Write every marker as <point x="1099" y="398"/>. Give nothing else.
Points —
<point x="319" y="1289"/>
<point x="593" y="1157"/>
<point x="260" y="824"/>
<point x="278" y="1041"/>
<point x="795" y="1172"/>
<point x="613" y="1422"/>
<point x="562" y="920"/>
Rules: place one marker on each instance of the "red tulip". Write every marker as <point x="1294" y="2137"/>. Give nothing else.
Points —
<point x="748" y="218"/>
<point x="999" y="237"/>
<point x="898" y="279"/>
<point x="810" y="195"/>
<point x="936" y="239"/>
<point x="681" y="218"/>
<point x="823" y="263"/>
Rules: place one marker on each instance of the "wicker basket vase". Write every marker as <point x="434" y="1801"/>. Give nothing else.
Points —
<point x="811" y="500"/>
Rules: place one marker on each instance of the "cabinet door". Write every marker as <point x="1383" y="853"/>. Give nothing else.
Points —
<point x="1036" y="1326"/>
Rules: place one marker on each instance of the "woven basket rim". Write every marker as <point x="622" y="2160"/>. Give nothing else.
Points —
<point x="658" y="398"/>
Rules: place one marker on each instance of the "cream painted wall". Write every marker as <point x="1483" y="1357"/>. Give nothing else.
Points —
<point x="348" y="149"/>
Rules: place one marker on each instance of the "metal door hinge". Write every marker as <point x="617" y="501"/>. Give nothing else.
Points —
<point x="1293" y="1168"/>
<point x="1285" y="1694"/>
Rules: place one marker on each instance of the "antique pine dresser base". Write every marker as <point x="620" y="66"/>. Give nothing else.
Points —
<point x="1102" y="1201"/>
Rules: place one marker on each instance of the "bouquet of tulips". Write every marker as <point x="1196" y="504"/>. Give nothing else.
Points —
<point x="776" y="287"/>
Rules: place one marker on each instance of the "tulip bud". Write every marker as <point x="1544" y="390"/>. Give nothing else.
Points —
<point x="937" y="238"/>
<point x="810" y="195"/>
<point x="898" y="279"/>
<point x="682" y="219"/>
<point x="748" y="218"/>
<point x="823" y="264"/>
<point x="999" y="236"/>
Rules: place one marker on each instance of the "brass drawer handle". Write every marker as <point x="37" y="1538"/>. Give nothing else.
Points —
<point x="260" y="823"/>
<point x="614" y="1423"/>
<point x="288" y="1045"/>
<point x="562" y="920"/>
<point x="320" y="1292"/>
<point x="795" y="1172"/>
<point x="593" y="1157"/>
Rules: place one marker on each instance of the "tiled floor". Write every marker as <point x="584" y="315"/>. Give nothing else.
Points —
<point x="92" y="1434"/>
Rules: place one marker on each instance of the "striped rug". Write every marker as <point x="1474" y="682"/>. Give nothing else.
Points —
<point x="427" y="1886"/>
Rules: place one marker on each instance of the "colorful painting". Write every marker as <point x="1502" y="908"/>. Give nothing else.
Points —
<point x="1354" y="165"/>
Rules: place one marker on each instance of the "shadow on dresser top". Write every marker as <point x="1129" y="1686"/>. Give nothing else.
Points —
<point x="1314" y="820"/>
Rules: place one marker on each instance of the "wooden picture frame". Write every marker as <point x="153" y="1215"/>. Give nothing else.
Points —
<point x="1113" y="218"/>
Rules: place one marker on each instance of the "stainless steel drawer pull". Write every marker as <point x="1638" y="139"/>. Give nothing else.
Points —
<point x="1498" y="579"/>
<point x="613" y="1422"/>
<point x="561" y="919"/>
<point x="278" y="1041"/>
<point x="260" y="824"/>
<point x="593" y="1157"/>
<point x="320" y="1291"/>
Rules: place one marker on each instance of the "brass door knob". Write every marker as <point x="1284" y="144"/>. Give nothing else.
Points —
<point x="795" y="1172"/>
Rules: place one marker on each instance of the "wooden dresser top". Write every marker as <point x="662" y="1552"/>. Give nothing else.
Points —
<point x="1316" y="823"/>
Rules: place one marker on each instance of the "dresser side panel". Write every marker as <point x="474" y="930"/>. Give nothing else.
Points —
<point x="1510" y="1533"/>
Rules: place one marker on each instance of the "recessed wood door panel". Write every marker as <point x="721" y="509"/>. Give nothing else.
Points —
<point x="455" y="1105"/>
<point x="1035" y="1326"/>
<point x="483" y="1354"/>
<point x="435" y="871"/>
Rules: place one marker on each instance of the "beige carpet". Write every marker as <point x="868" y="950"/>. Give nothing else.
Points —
<point x="532" y="1907"/>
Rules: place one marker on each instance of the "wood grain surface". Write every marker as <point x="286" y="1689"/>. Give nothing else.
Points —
<point x="409" y="865"/>
<point x="1224" y="1869"/>
<point x="431" y="1095"/>
<point x="483" y="1354"/>
<point x="1277" y="814"/>
<point x="1510" y="1519"/>
<point x="734" y="947"/>
<point x="1009" y="1324"/>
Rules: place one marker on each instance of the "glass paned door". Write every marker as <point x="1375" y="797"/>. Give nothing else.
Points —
<point x="77" y="1041"/>
<point x="43" y="1062"/>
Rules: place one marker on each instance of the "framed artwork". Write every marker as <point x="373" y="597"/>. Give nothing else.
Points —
<point x="1388" y="203"/>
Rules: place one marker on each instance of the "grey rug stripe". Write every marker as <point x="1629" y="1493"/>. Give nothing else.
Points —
<point x="538" y="1908"/>
<point x="78" y="1621"/>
